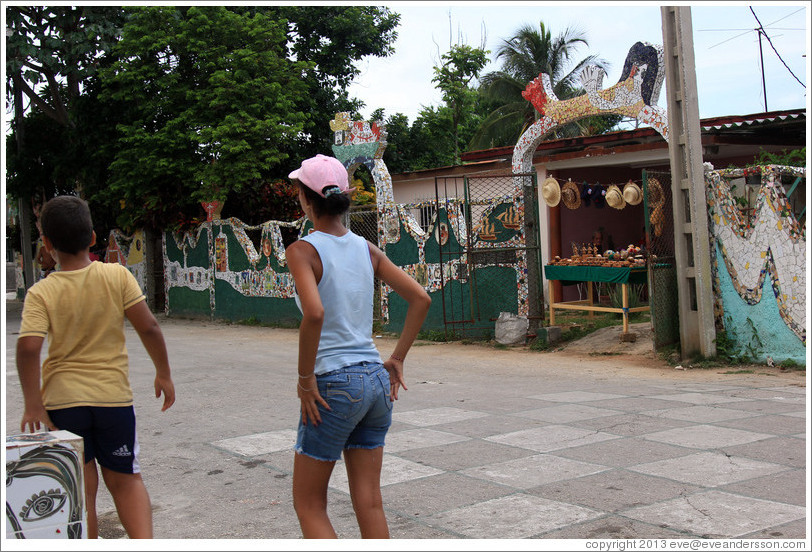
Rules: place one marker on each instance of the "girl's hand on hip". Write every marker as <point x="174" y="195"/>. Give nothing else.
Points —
<point x="396" y="379"/>
<point x="308" y="392"/>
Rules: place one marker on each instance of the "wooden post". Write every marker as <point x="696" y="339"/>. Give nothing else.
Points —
<point x="551" y="299"/>
<point x="625" y="308"/>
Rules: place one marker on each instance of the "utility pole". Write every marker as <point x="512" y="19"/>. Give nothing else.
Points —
<point x="691" y="235"/>
<point x="760" y="31"/>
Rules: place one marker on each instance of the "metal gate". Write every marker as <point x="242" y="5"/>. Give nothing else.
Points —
<point x="496" y="266"/>
<point x="662" y="270"/>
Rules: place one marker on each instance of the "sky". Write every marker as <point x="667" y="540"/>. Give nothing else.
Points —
<point x="726" y="48"/>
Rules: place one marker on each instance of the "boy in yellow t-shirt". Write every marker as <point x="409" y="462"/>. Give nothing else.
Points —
<point x="85" y="381"/>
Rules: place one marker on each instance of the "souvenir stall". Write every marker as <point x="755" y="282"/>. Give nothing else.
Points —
<point x="590" y="262"/>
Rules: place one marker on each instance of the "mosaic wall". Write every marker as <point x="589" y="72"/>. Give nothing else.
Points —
<point x="635" y="95"/>
<point x="129" y="251"/>
<point x="363" y="142"/>
<point x="760" y="264"/>
<point x="45" y="496"/>
<point x="220" y="252"/>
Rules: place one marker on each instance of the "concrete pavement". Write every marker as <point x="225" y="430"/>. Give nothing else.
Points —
<point x="487" y="443"/>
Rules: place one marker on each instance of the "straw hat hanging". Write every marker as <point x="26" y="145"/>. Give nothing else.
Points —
<point x="570" y="195"/>
<point x="632" y="193"/>
<point x="551" y="191"/>
<point x="614" y="197"/>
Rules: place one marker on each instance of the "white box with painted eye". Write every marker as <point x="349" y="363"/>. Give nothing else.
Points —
<point x="45" y="495"/>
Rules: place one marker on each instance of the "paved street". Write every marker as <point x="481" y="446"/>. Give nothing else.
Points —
<point x="487" y="443"/>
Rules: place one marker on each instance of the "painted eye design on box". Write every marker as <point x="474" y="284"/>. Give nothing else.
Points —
<point x="43" y="505"/>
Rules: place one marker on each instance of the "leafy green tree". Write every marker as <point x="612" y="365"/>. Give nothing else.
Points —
<point x="398" y="152"/>
<point x="250" y="87"/>
<point x="273" y="199"/>
<point x="332" y="39"/>
<point x="460" y="65"/>
<point x="207" y="97"/>
<point x="42" y="171"/>
<point x="50" y="53"/>
<point x="524" y="56"/>
<point x="52" y="50"/>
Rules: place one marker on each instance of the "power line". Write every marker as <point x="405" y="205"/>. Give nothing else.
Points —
<point x="768" y="24"/>
<point x="781" y="18"/>
<point x="731" y="38"/>
<point x="762" y="31"/>
<point x="748" y="30"/>
<point x="771" y="28"/>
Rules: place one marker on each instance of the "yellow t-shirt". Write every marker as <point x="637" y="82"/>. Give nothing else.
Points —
<point x="81" y="312"/>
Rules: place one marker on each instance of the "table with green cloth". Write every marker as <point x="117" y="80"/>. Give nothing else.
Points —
<point x="576" y="274"/>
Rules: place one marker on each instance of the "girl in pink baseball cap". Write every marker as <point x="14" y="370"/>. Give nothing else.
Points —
<point x="346" y="390"/>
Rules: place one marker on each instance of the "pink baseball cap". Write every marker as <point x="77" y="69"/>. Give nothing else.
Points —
<point x="320" y="172"/>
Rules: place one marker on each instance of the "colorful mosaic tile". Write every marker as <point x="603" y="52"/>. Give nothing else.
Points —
<point x="772" y="244"/>
<point x="129" y="252"/>
<point x="251" y="282"/>
<point x="635" y="95"/>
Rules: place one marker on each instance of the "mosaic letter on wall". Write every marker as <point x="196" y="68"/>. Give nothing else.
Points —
<point x="771" y="246"/>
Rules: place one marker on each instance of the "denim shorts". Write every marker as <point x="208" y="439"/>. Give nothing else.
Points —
<point x="108" y="433"/>
<point x="360" y="415"/>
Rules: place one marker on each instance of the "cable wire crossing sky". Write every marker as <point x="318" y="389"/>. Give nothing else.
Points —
<point x="730" y="41"/>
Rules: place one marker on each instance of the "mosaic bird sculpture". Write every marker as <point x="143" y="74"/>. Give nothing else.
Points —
<point x="634" y="95"/>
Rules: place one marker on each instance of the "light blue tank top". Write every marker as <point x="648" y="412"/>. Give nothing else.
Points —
<point x="346" y="289"/>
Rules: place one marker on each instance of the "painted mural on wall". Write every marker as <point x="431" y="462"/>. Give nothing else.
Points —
<point x="129" y="251"/>
<point x="635" y="95"/>
<point x="221" y="251"/>
<point x="45" y="486"/>
<point x="759" y="266"/>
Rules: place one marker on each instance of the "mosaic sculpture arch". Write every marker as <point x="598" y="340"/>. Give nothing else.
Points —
<point x="766" y="251"/>
<point x="634" y="95"/>
<point x="358" y="143"/>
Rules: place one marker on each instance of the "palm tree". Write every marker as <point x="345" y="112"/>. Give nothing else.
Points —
<point x="524" y="56"/>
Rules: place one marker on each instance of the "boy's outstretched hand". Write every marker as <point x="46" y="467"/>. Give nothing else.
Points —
<point x="165" y="386"/>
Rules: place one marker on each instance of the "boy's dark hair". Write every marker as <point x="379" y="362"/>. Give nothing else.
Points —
<point x="66" y="222"/>
<point x="335" y="203"/>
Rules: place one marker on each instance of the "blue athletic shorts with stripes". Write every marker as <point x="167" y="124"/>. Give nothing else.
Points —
<point x="108" y="433"/>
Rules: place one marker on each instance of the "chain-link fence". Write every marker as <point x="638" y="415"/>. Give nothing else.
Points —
<point x="662" y="270"/>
